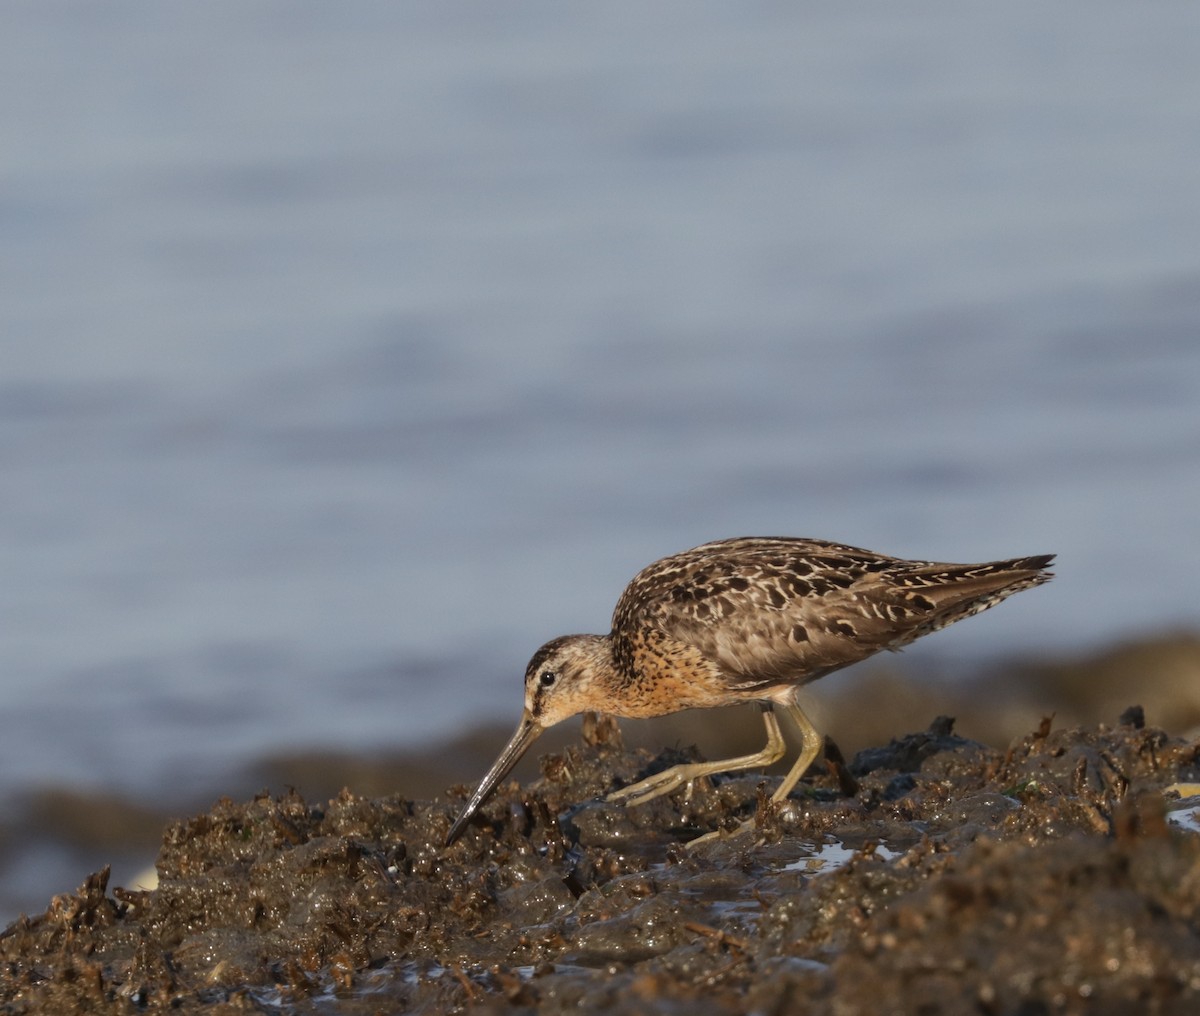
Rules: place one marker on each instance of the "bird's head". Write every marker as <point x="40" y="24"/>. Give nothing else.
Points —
<point x="563" y="678"/>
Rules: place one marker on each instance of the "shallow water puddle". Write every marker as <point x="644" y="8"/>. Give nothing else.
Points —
<point x="833" y="855"/>
<point x="1184" y="813"/>
<point x="332" y="998"/>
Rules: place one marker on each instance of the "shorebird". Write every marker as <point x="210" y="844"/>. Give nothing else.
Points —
<point x="745" y="620"/>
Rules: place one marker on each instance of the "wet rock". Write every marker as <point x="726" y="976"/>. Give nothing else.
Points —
<point x="1046" y="878"/>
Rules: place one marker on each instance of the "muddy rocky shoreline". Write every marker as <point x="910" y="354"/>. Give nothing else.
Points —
<point x="931" y="875"/>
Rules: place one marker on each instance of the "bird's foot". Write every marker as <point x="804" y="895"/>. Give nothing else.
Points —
<point x="662" y="783"/>
<point x="741" y="829"/>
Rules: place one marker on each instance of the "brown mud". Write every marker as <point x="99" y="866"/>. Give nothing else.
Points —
<point x="933" y="875"/>
<point x="50" y="836"/>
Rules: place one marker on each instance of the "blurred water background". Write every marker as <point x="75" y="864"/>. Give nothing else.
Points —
<point x="350" y="351"/>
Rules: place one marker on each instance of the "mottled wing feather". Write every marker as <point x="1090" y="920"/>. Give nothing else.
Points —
<point x="774" y="611"/>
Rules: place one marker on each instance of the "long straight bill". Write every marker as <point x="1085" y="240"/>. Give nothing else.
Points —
<point x="526" y="734"/>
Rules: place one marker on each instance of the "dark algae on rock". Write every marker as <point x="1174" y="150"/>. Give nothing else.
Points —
<point x="933" y="875"/>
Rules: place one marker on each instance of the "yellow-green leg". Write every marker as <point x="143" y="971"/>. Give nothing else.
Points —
<point x="675" y="777"/>
<point x="810" y="747"/>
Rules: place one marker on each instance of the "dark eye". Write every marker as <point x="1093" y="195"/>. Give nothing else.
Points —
<point x="548" y="678"/>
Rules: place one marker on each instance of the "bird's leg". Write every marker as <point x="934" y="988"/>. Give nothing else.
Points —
<point x="675" y="777"/>
<point x="810" y="746"/>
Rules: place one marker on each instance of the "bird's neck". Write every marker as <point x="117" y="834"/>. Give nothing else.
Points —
<point x="596" y="657"/>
